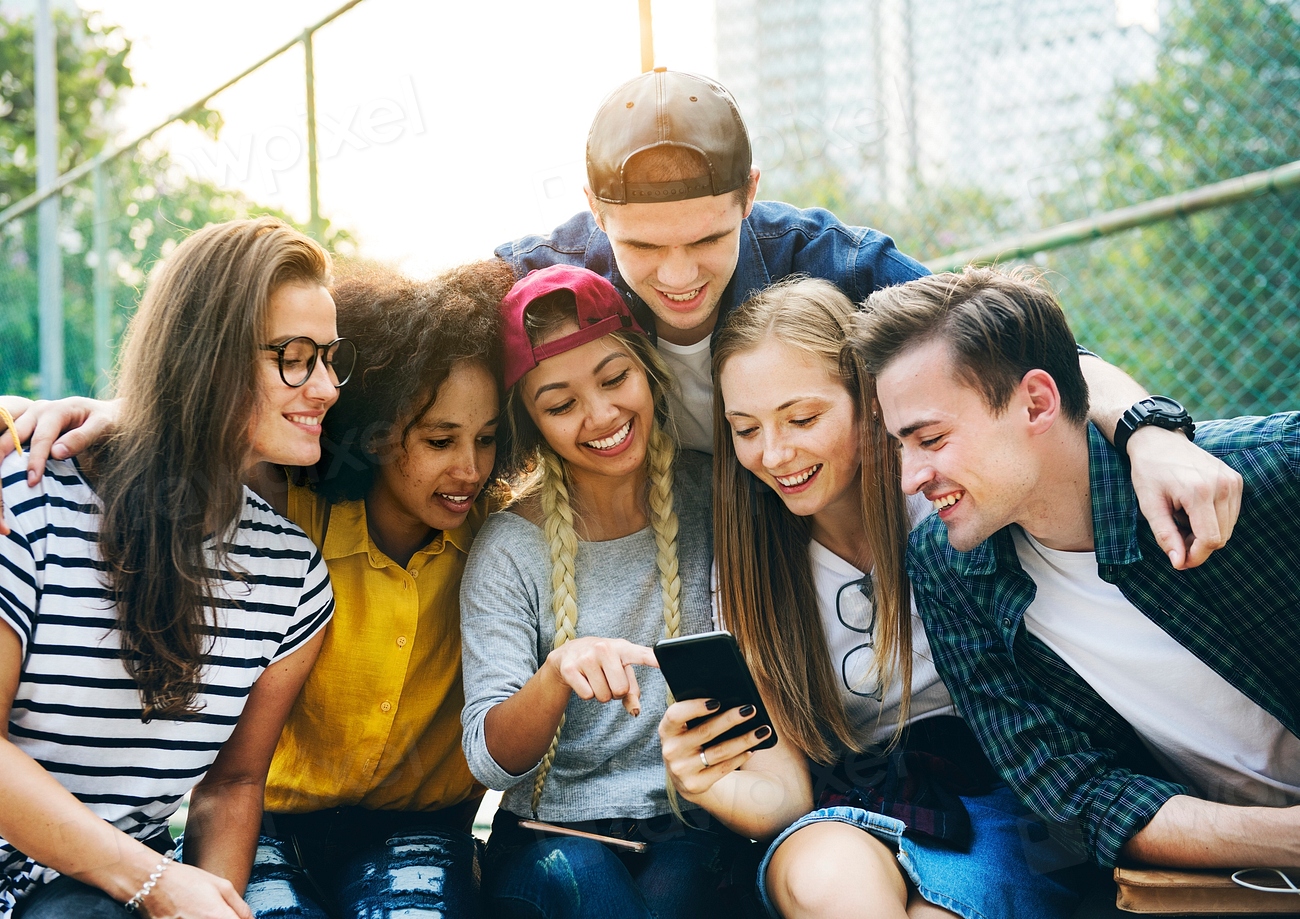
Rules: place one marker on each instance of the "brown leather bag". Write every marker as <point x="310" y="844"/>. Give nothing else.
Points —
<point x="1198" y="893"/>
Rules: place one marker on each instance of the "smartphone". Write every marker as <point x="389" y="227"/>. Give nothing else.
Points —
<point x="631" y="845"/>
<point x="710" y="666"/>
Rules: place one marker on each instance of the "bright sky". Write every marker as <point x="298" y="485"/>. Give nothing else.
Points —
<point x="444" y="128"/>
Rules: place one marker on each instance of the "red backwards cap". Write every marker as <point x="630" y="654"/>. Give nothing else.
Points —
<point x="601" y="310"/>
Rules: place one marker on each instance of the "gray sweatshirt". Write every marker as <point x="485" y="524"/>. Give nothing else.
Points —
<point x="609" y="763"/>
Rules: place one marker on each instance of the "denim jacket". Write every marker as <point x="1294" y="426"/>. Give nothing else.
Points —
<point x="776" y="240"/>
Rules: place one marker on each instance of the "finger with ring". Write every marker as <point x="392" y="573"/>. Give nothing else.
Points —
<point x="704" y="760"/>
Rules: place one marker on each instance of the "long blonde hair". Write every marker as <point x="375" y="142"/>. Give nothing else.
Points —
<point x="765" y="586"/>
<point x="529" y="455"/>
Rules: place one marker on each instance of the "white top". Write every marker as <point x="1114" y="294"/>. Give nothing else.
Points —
<point x="1197" y="725"/>
<point x="848" y="626"/>
<point x="77" y="711"/>
<point x="692" y="398"/>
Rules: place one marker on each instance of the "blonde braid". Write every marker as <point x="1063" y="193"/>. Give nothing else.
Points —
<point x="663" y="519"/>
<point x="557" y="515"/>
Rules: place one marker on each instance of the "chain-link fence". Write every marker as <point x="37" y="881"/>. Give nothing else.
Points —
<point x="116" y="220"/>
<point x="948" y="123"/>
<point x="951" y="124"/>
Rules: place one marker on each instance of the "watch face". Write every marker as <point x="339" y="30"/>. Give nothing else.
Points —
<point x="1167" y="406"/>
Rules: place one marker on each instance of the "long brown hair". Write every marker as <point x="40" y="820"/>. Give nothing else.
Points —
<point x="765" y="585"/>
<point x="171" y="475"/>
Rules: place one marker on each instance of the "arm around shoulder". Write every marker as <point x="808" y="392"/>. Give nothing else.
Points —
<point x="1190" y="499"/>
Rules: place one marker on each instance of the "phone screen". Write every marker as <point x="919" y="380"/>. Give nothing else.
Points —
<point x="710" y="666"/>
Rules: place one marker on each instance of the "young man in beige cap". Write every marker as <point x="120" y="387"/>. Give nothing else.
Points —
<point x="675" y="224"/>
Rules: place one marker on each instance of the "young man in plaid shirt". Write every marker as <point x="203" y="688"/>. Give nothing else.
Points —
<point x="1151" y="713"/>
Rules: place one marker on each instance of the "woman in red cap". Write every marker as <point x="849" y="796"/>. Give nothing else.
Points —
<point x="607" y="551"/>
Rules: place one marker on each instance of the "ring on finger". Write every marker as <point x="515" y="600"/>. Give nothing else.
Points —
<point x="704" y="760"/>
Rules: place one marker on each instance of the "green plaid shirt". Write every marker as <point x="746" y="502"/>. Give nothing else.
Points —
<point x="1068" y="754"/>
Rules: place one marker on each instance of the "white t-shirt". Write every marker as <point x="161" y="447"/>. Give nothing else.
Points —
<point x="692" y="402"/>
<point x="847" y="618"/>
<point x="1197" y="724"/>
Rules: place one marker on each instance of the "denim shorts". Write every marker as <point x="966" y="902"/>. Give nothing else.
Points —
<point x="1012" y="871"/>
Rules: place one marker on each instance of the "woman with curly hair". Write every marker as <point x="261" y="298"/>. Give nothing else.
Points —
<point x="369" y="800"/>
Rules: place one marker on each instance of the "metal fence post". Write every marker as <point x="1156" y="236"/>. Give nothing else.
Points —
<point x="103" y="303"/>
<point x="647" y="38"/>
<point x="50" y="257"/>
<point x="313" y="193"/>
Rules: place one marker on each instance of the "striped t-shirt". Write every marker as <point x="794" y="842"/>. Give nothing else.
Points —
<point x="77" y="711"/>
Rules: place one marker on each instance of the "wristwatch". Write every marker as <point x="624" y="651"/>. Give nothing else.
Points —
<point x="1161" y="411"/>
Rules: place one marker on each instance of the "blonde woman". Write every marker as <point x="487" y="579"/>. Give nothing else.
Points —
<point x="891" y="809"/>
<point x="562" y="596"/>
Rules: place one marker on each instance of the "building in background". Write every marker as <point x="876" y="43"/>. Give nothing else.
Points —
<point x="881" y="97"/>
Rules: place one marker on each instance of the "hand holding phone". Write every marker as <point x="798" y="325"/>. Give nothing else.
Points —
<point x="718" y="718"/>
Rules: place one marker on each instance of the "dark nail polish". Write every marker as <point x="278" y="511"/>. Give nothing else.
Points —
<point x="713" y="705"/>
<point x="763" y="733"/>
<point x="746" y="711"/>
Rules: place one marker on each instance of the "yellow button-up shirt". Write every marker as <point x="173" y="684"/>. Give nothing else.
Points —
<point x="378" y="721"/>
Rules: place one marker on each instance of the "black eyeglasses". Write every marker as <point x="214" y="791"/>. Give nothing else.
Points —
<point x="297" y="358"/>
<point x="855" y="607"/>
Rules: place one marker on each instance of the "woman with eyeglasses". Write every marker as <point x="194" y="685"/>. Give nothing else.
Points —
<point x="890" y="808"/>
<point x="369" y="801"/>
<point x="157" y="618"/>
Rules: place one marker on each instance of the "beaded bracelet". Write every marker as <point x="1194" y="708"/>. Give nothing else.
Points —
<point x="137" y="901"/>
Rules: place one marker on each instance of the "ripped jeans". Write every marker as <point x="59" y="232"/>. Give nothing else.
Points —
<point x="364" y="866"/>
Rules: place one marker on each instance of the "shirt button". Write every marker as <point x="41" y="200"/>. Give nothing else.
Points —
<point x="1006" y="623"/>
<point x="385" y="707"/>
<point x="415" y="572"/>
<point x="401" y="641"/>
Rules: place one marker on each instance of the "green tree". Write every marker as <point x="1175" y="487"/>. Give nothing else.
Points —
<point x="1220" y="291"/>
<point x="153" y="203"/>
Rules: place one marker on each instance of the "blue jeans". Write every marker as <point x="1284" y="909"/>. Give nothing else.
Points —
<point x="64" y="898"/>
<point x="531" y="876"/>
<point x="418" y="871"/>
